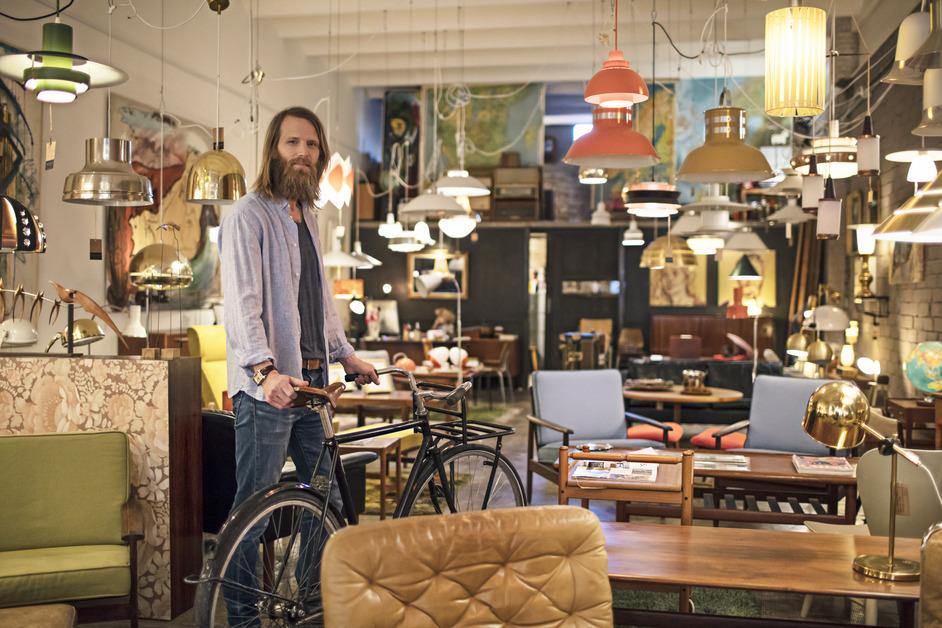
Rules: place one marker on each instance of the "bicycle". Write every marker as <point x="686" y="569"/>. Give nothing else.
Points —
<point x="291" y="521"/>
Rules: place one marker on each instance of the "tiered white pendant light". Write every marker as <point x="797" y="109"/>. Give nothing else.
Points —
<point x="836" y="155"/>
<point x="651" y="199"/>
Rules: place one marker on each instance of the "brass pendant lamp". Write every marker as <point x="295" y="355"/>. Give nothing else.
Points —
<point x="217" y="177"/>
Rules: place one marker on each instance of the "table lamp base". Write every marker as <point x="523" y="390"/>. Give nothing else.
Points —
<point x="879" y="567"/>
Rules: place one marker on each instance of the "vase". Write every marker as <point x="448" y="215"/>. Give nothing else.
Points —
<point x="133" y="328"/>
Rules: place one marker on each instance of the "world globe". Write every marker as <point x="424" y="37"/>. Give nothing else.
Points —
<point x="924" y="368"/>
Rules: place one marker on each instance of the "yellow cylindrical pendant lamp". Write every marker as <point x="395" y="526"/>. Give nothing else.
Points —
<point x="795" y="61"/>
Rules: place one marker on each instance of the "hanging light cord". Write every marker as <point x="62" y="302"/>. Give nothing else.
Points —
<point x="216" y="139"/>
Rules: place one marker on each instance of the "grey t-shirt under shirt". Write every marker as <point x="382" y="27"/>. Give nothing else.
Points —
<point x="310" y="301"/>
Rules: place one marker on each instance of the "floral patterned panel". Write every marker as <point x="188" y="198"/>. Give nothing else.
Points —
<point x="46" y="394"/>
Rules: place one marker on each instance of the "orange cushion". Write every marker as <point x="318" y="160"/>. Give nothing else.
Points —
<point x="705" y="439"/>
<point x="650" y="432"/>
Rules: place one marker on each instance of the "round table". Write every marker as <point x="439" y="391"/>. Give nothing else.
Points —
<point x="677" y="397"/>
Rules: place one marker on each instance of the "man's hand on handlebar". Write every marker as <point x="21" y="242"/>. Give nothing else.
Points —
<point x="363" y="370"/>
<point x="279" y="389"/>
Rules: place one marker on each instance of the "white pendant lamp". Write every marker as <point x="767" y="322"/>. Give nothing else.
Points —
<point x="929" y="54"/>
<point x="836" y="155"/>
<point x="931" y="124"/>
<point x="367" y="261"/>
<point x="790" y="185"/>
<point x="460" y="183"/>
<point x="746" y="241"/>
<point x="922" y="168"/>
<point x="686" y="224"/>
<point x="829" y="213"/>
<point x="812" y="187"/>
<point x="633" y="236"/>
<point x="795" y="61"/>
<point x="789" y="215"/>
<point x="430" y="205"/>
<point x="458" y="226"/>
<point x="406" y="242"/>
<point x="337" y="257"/>
<point x="705" y="244"/>
<point x="652" y="200"/>
<point x="592" y="176"/>
<point x="868" y="150"/>
<point x="422" y="233"/>
<point x="912" y="33"/>
<point x="391" y="227"/>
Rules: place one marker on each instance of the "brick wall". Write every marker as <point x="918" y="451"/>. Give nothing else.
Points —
<point x="915" y="308"/>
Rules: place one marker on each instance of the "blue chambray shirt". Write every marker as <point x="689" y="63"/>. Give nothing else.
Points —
<point x="261" y="268"/>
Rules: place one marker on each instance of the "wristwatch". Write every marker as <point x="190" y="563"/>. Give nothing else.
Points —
<point x="262" y="373"/>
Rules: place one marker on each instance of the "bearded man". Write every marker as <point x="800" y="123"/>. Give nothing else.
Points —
<point x="281" y="325"/>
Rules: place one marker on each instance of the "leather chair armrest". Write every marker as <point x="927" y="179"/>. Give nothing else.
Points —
<point x="132" y="525"/>
<point x="549" y="424"/>
<point x="729" y="429"/>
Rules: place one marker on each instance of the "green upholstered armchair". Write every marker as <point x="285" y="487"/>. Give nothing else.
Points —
<point x="208" y="342"/>
<point x="68" y="524"/>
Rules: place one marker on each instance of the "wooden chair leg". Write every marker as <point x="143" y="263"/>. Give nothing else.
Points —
<point x="684" y="603"/>
<point x="133" y="611"/>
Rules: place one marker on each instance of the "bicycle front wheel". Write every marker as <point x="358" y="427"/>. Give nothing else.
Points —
<point x="469" y="473"/>
<point x="266" y="567"/>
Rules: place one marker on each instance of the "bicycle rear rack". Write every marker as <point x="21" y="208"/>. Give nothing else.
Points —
<point x="469" y="430"/>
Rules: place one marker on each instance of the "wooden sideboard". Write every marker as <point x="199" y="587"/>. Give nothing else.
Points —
<point x="485" y="349"/>
<point x="711" y="329"/>
<point x="157" y="404"/>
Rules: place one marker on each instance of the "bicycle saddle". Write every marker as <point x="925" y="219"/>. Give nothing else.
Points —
<point x="329" y="394"/>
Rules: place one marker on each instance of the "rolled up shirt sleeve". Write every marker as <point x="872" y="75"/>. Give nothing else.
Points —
<point x="240" y="249"/>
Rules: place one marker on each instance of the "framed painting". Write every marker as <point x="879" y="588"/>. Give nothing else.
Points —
<point x="402" y="119"/>
<point x="855" y="216"/>
<point x="762" y="291"/>
<point x="130" y="229"/>
<point x="679" y="286"/>
<point x="906" y="264"/>
<point x="437" y="275"/>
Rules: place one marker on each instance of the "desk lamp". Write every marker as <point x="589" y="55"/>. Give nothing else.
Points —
<point x="837" y="416"/>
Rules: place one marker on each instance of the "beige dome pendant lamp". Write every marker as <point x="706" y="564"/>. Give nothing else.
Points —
<point x="217" y="177"/>
<point x="107" y="177"/>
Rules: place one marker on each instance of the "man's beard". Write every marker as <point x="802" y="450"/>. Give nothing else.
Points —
<point x="294" y="184"/>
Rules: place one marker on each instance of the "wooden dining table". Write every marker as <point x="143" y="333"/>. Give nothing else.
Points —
<point x="361" y="402"/>
<point x="678" y="397"/>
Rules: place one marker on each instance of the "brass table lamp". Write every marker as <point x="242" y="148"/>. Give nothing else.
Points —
<point x="837" y="416"/>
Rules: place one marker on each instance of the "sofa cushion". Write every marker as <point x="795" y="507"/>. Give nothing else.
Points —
<point x="46" y="615"/>
<point x="62" y="489"/>
<point x="549" y="453"/>
<point x="64" y="573"/>
<point x="590" y="403"/>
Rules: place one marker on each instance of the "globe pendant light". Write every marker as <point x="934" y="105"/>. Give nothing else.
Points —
<point x="633" y="236"/>
<point x="836" y="156"/>
<point x="829" y="213"/>
<point x="868" y="150"/>
<point x="931" y="124"/>
<point x="160" y="267"/>
<point x="615" y="85"/>
<point x="217" y="177"/>
<point x="107" y="178"/>
<point x="460" y="183"/>
<point x="724" y="157"/>
<point x="745" y="270"/>
<point x="55" y="73"/>
<point x="612" y="143"/>
<point x="812" y="187"/>
<point x="922" y="168"/>
<point x="20" y="230"/>
<point x="652" y="199"/>
<point x="795" y="60"/>
<point x="913" y="31"/>
<point x="929" y="54"/>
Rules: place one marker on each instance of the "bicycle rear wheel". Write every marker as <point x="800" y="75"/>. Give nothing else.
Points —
<point x="468" y="473"/>
<point x="266" y="567"/>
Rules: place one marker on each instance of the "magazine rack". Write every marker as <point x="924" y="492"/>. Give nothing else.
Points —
<point x="673" y="485"/>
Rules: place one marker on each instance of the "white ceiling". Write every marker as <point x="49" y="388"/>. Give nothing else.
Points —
<point x="405" y="42"/>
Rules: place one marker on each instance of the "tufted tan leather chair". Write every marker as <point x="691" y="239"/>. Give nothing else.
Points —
<point x="930" y="584"/>
<point x="535" y="567"/>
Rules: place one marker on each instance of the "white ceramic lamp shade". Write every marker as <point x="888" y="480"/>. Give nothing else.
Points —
<point x="912" y="33"/>
<point x="931" y="124"/>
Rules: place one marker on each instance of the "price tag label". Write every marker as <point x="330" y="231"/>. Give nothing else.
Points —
<point x="50" y="154"/>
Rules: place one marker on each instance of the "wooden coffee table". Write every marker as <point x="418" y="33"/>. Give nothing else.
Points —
<point x="677" y="397"/>
<point x="384" y="447"/>
<point x="648" y="556"/>
<point x="771" y="491"/>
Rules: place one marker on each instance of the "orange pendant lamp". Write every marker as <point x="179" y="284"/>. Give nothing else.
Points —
<point x="612" y="143"/>
<point x="616" y="85"/>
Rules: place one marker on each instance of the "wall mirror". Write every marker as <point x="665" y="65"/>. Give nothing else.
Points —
<point x="437" y="275"/>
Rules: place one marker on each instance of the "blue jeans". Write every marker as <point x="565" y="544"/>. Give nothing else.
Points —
<point x="264" y="436"/>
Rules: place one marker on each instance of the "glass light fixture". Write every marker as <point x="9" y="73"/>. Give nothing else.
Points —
<point x="651" y="199"/>
<point x="460" y="183"/>
<point x="868" y="150"/>
<point x="931" y="124"/>
<point x="724" y="157"/>
<point x="868" y="366"/>
<point x="55" y="73"/>
<point x="592" y="176"/>
<point x="863" y="233"/>
<point x="829" y="213"/>
<point x="612" y="143"/>
<point x="107" y="177"/>
<point x="929" y="54"/>
<point x="357" y="306"/>
<point x="812" y="187"/>
<point x="913" y="31"/>
<point x="745" y="270"/>
<point x="460" y="225"/>
<point x="20" y="230"/>
<point x="633" y="236"/>
<point x="922" y="168"/>
<point x="391" y="227"/>
<point x="217" y="177"/>
<point x="795" y="61"/>
<point x="705" y="244"/>
<point x="846" y="356"/>
<point x="830" y="318"/>
<point x="615" y="84"/>
<point x="836" y="155"/>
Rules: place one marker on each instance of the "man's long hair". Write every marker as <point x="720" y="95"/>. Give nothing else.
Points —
<point x="267" y="184"/>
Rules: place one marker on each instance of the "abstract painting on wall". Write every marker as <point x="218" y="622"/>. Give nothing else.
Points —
<point x="130" y="229"/>
<point x="402" y="120"/>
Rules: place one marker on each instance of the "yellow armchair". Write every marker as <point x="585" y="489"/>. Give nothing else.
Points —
<point x="209" y="343"/>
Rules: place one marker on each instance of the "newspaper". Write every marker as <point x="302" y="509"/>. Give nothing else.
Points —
<point x="720" y="462"/>
<point x="615" y="470"/>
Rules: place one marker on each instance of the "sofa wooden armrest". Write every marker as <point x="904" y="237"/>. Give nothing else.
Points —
<point x="132" y="528"/>
<point x="534" y="421"/>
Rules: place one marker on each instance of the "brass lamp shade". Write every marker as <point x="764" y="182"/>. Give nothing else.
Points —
<point x="655" y="257"/>
<point x="107" y="178"/>
<point x="820" y="353"/>
<point x="159" y="267"/>
<point x="724" y="157"/>
<point x="20" y="230"/>
<point x="217" y="177"/>
<point x="797" y="344"/>
<point x="836" y="414"/>
<point x="85" y="331"/>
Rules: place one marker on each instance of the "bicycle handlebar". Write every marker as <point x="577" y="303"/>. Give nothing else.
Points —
<point x="450" y="397"/>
